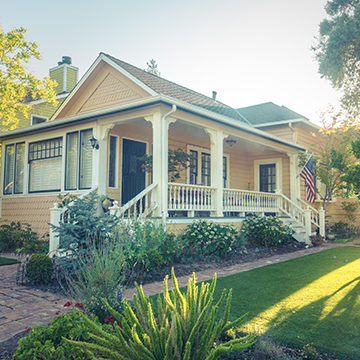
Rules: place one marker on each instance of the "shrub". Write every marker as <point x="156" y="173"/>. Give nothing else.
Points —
<point x="342" y="230"/>
<point x="47" y="342"/>
<point x="99" y="275"/>
<point x="85" y="225"/>
<point x="266" y="231"/>
<point x="207" y="239"/>
<point x="147" y="248"/>
<point x="186" y="327"/>
<point x="19" y="237"/>
<point x="309" y="352"/>
<point x="266" y="349"/>
<point x="39" y="268"/>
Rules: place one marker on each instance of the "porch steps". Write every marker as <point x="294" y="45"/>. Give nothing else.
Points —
<point x="299" y="229"/>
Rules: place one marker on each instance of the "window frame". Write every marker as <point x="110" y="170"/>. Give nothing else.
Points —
<point x="204" y="150"/>
<point x="116" y="170"/>
<point x="40" y="117"/>
<point x="78" y="160"/>
<point x="61" y="138"/>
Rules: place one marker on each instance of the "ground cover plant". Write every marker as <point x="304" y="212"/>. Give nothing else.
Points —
<point x="185" y="327"/>
<point x="313" y="299"/>
<point x="7" y="261"/>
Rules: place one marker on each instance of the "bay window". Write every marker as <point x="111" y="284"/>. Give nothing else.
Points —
<point x="45" y="165"/>
<point x="14" y="169"/>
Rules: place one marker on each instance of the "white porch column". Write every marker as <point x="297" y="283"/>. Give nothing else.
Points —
<point x="217" y="180"/>
<point x="294" y="178"/>
<point x="322" y="222"/>
<point x="307" y="214"/>
<point x="160" y="155"/>
<point x="99" y="160"/>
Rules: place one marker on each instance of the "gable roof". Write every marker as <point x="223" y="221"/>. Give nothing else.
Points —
<point x="168" y="88"/>
<point x="269" y="113"/>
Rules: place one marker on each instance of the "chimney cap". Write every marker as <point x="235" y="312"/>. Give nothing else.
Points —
<point x="65" y="60"/>
<point x="214" y="93"/>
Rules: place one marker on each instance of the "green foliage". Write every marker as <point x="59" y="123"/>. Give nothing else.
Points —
<point x="20" y="238"/>
<point x="207" y="239"/>
<point x="350" y="209"/>
<point x="16" y="82"/>
<point x="266" y="349"/>
<point x="178" y="160"/>
<point x="39" y="268"/>
<point x="337" y="50"/>
<point x="99" y="275"/>
<point x="341" y="230"/>
<point x="147" y="248"/>
<point x="47" y="342"/>
<point x="85" y="225"/>
<point x="309" y="352"/>
<point x="186" y="327"/>
<point x="266" y="231"/>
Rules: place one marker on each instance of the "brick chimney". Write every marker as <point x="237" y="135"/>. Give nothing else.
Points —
<point x="65" y="75"/>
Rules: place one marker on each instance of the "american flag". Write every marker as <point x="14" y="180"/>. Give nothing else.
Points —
<point x="307" y="174"/>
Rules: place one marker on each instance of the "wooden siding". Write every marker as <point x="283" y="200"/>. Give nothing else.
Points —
<point x="33" y="210"/>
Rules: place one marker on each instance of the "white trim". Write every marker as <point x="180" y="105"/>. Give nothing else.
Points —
<point x="100" y="58"/>
<point x="36" y="102"/>
<point x="302" y="121"/>
<point x="199" y="150"/>
<point x="147" y="101"/>
<point x="40" y="117"/>
<point x="64" y="78"/>
<point x="278" y="171"/>
<point x="63" y="65"/>
<point x="189" y="220"/>
<point x="117" y="161"/>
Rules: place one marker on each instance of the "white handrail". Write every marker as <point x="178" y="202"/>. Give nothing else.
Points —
<point x="307" y="205"/>
<point x="140" y="205"/>
<point x="315" y="214"/>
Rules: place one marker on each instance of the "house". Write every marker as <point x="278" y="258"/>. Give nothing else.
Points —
<point x="243" y="161"/>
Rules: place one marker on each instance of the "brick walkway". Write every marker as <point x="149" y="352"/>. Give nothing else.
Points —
<point x="22" y="307"/>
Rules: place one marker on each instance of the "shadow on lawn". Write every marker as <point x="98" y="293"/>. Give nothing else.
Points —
<point x="331" y="323"/>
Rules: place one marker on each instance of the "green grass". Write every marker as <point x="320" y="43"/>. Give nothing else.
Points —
<point x="344" y="241"/>
<point x="313" y="299"/>
<point x="6" y="261"/>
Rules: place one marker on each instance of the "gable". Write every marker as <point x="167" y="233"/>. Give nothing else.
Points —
<point x="103" y="87"/>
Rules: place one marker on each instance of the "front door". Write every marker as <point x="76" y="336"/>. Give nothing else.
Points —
<point x="133" y="175"/>
<point x="267" y="178"/>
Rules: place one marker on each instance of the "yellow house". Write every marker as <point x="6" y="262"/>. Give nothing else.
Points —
<point x="241" y="162"/>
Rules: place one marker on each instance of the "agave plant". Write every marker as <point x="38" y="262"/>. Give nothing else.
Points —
<point x="186" y="326"/>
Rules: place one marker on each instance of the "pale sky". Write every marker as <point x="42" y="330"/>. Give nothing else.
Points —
<point x="249" y="51"/>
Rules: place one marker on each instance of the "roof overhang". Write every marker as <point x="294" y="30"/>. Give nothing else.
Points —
<point x="152" y="100"/>
<point x="291" y="121"/>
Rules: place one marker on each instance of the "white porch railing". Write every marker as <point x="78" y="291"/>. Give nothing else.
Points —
<point x="317" y="217"/>
<point x="185" y="197"/>
<point x="237" y="200"/>
<point x="141" y="206"/>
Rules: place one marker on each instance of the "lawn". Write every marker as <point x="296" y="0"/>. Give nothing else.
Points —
<point x="313" y="299"/>
<point x="6" y="261"/>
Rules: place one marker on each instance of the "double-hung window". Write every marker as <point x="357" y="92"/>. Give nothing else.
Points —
<point x="78" y="170"/>
<point x="45" y="165"/>
<point x="14" y="168"/>
<point x="200" y="168"/>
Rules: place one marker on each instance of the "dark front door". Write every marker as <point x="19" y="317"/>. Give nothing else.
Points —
<point x="268" y="178"/>
<point x="133" y="175"/>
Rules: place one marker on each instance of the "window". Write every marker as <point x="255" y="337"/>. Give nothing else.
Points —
<point x="14" y="168"/>
<point x="45" y="165"/>
<point x="268" y="178"/>
<point x="36" y="119"/>
<point x="78" y="170"/>
<point x="202" y="160"/>
<point x="113" y="146"/>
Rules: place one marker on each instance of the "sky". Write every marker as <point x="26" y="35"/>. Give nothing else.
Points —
<point x="249" y="51"/>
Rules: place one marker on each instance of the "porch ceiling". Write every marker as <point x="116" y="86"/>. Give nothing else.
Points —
<point x="197" y="136"/>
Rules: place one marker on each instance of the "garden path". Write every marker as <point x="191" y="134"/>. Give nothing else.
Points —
<point x="23" y="307"/>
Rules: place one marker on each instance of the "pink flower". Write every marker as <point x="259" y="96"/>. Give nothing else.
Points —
<point x="120" y="326"/>
<point x="28" y="329"/>
<point x="79" y="305"/>
<point x="57" y="313"/>
<point x="106" y="319"/>
<point x="111" y="318"/>
<point x="67" y="304"/>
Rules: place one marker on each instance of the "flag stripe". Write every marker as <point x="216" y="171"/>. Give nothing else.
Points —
<point x="307" y="175"/>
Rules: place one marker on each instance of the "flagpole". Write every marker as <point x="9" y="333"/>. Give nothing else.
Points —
<point x="312" y="154"/>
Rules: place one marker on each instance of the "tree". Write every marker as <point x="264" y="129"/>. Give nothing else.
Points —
<point x="335" y="158"/>
<point x="152" y="67"/>
<point x="338" y="50"/>
<point x="17" y="84"/>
